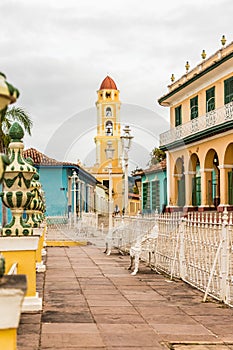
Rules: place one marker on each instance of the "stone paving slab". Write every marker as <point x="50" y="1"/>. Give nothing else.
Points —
<point x="202" y="347"/>
<point x="90" y="301"/>
<point x="61" y="335"/>
<point x="128" y="334"/>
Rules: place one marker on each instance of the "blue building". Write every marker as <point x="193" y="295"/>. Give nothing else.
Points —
<point x="59" y="183"/>
<point x="154" y="188"/>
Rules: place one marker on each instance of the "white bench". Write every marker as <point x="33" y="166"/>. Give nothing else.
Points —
<point x="145" y="244"/>
<point x="115" y="238"/>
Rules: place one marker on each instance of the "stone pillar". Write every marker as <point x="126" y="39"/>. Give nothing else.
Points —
<point x="205" y="177"/>
<point x="203" y="189"/>
<point x="188" y="190"/>
<point x="168" y="177"/>
<point x="224" y="187"/>
<point x="22" y="251"/>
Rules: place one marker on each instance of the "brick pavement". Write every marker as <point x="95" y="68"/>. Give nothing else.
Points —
<point x="92" y="302"/>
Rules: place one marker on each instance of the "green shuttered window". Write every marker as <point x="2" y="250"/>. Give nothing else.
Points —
<point x="228" y="90"/>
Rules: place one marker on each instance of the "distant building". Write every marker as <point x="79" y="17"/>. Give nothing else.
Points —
<point x="154" y="188"/>
<point x="199" y="144"/>
<point x="58" y="185"/>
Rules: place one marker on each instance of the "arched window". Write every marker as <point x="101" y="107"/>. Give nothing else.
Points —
<point x="108" y="128"/>
<point x="108" y="112"/>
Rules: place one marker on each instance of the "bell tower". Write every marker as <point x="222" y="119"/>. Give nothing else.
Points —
<point x="108" y="121"/>
<point x="108" y="137"/>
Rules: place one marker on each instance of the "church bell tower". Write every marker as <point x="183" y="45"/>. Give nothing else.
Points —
<point x="109" y="136"/>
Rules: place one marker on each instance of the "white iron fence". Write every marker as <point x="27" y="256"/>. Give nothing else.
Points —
<point x="197" y="248"/>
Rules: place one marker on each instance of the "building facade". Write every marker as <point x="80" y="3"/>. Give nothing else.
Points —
<point x="199" y="144"/>
<point x="59" y="185"/>
<point x="154" y="188"/>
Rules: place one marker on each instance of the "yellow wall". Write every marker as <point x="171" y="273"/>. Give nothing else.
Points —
<point x="26" y="265"/>
<point x="221" y="144"/>
<point x="8" y="339"/>
<point x="185" y="103"/>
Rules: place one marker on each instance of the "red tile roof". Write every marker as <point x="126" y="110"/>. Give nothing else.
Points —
<point x="108" y="83"/>
<point x="41" y="159"/>
<point x="156" y="167"/>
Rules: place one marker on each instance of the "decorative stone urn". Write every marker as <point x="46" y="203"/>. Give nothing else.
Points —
<point x="8" y="93"/>
<point x="17" y="179"/>
<point x="4" y="161"/>
<point x="33" y="209"/>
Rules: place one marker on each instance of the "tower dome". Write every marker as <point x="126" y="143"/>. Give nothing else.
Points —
<point x="108" y="83"/>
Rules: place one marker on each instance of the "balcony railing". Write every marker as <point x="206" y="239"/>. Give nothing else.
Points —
<point x="213" y="118"/>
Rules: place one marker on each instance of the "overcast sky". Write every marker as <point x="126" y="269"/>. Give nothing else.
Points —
<point x="58" y="52"/>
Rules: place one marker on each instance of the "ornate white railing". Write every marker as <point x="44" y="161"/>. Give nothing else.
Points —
<point x="213" y="118"/>
<point x="90" y="219"/>
<point x="197" y="248"/>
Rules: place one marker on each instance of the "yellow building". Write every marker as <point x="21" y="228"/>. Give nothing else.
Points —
<point x="199" y="144"/>
<point x="109" y="137"/>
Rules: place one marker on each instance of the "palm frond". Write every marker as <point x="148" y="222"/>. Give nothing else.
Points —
<point x="18" y="114"/>
<point x="6" y="124"/>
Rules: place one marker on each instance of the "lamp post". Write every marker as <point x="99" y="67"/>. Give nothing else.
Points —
<point x="74" y="178"/>
<point x="109" y="155"/>
<point x="126" y="144"/>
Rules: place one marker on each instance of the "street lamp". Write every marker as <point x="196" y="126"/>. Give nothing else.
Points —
<point x="109" y="151"/>
<point x="74" y="178"/>
<point x="126" y="144"/>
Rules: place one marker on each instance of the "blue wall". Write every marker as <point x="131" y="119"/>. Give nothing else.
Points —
<point x="154" y="196"/>
<point x="54" y="182"/>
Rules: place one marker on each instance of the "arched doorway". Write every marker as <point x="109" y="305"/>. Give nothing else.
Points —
<point x="194" y="168"/>
<point x="180" y="181"/>
<point x="213" y="174"/>
<point x="228" y="163"/>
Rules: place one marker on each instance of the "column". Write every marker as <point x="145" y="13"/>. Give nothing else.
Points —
<point x="224" y="186"/>
<point x="168" y="176"/>
<point x="188" y="190"/>
<point x="205" y="177"/>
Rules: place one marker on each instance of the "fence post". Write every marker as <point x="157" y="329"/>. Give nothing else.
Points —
<point x="182" y="252"/>
<point x="96" y="220"/>
<point x="224" y="257"/>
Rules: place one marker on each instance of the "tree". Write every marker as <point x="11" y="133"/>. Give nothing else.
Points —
<point x="136" y="171"/>
<point x="157" y="155"/>
<point x="7" y="117"/>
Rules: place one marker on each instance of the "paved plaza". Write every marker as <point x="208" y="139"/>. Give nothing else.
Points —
<point x="90" y="301"/>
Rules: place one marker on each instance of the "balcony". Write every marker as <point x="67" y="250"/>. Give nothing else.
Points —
<point x="208" y="123"/>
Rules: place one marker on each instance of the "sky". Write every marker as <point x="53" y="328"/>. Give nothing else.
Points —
<point x="58" y="52"/>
